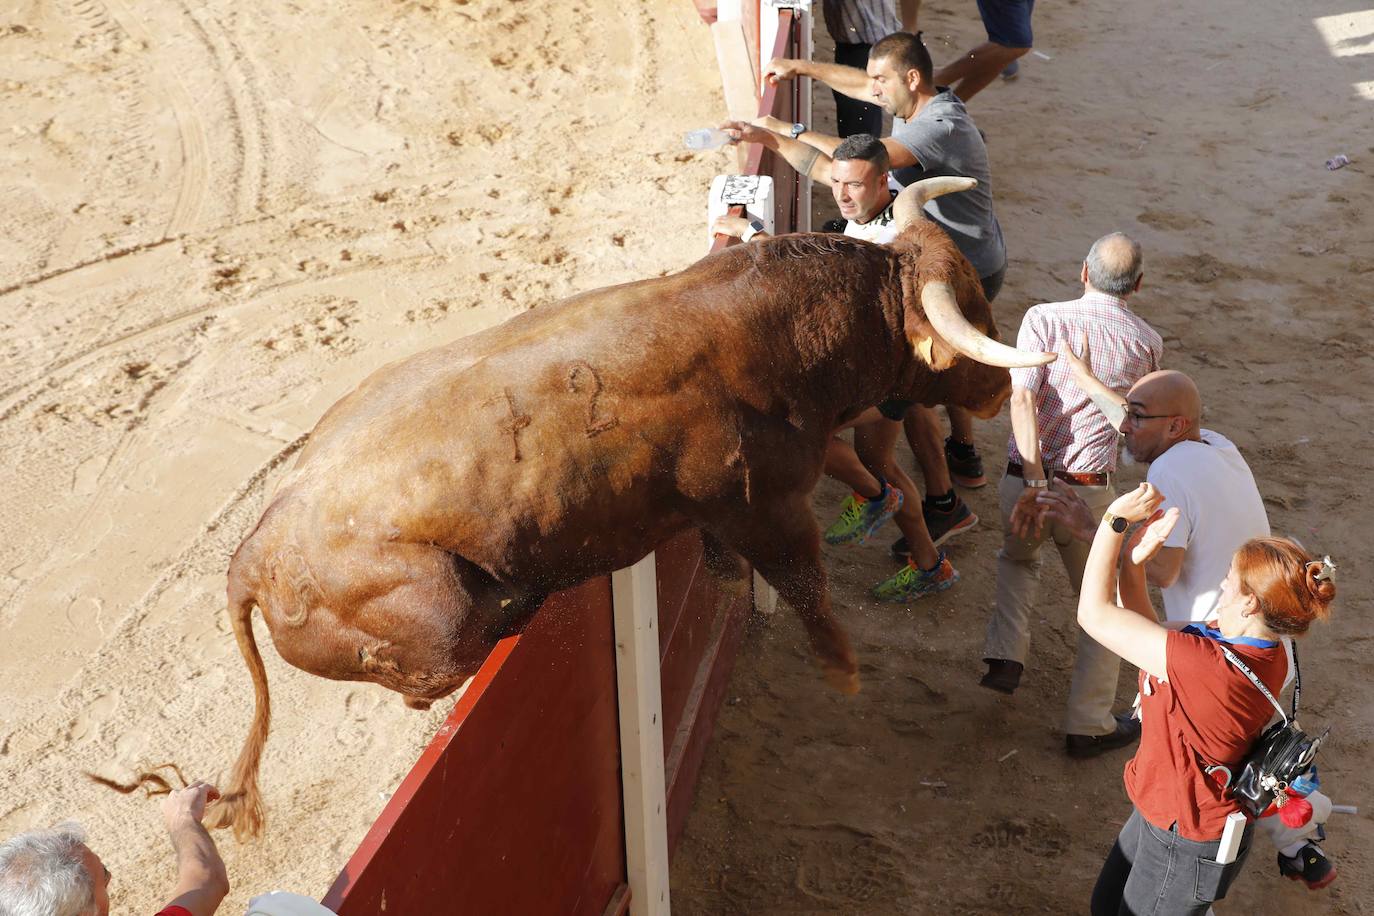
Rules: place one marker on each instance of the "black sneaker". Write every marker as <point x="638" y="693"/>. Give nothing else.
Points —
<point x="965" y="467"/>
<point x="1310" y="866"/>
<point x="945" y="525"/>
<point x="1004" y="675"/>
<point x="1127" y="732"/>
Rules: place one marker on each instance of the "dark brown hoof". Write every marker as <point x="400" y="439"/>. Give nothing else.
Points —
<point x="418" y="702"/>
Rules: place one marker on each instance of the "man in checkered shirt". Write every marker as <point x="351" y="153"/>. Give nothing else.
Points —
<point x="1057" y="430"/>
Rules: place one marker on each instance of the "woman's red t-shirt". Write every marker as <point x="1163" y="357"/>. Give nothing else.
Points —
<point x="1207" y="712"/>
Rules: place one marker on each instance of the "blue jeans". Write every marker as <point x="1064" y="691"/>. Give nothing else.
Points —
<point x="1008" y="22"/>
<point x="1154" y="871"/>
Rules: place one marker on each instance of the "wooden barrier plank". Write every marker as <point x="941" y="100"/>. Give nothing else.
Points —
<point x="677" y="562"/>
<point x="739" y="77"/>
<point x="522" y="780"/>
<point x="692" y="641"/>
<point x="634" y="592"/>
<point x="699" y="719"/>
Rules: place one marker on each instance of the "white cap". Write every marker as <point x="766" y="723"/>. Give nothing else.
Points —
<point x="285" y="903"/>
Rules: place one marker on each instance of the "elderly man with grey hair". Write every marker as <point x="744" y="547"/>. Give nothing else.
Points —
<point x="1057" y="432"/>
<point x="54" y="873"/>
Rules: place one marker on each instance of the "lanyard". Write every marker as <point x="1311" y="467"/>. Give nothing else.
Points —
<point x="1208" y="633"/>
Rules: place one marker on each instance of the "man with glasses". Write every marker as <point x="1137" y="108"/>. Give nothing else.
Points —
<point x="1057" y="432"/>
<point x="1199" y="471"/>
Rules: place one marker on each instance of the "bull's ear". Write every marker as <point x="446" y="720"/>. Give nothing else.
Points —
<point x="929" y="346"/>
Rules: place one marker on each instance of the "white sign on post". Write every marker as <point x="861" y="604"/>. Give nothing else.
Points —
<point x="753" y="192"/>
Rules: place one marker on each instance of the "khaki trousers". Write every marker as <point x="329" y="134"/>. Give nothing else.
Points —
<point x="1093" y="689"/>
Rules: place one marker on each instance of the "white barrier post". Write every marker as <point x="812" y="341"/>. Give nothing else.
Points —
<point x="752" y="192"/>
<point x="634" y="597"/>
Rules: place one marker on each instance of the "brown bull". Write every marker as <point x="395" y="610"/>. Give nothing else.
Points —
<point x="437" y="505"/>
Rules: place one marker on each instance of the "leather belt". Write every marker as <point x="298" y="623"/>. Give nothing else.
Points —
<point x="1081" y="478"/>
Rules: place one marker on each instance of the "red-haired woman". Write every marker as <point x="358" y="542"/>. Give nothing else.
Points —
<point x="1196" y="708"/>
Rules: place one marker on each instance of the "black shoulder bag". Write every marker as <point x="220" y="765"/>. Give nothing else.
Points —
<point x="1280" y="755"/>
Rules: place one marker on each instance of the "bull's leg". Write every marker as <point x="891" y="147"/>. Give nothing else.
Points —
<point x="783" y="543"/>
<point x="722" y="562"/>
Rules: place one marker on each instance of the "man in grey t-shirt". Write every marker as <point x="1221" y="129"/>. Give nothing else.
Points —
<point x="942" y="139"/>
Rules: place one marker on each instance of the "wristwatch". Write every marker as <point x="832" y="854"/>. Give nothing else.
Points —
<point x="1033" y="483"/>
<point x="797" y="130"/>
<point x="755" y="227"/>
<point x="1116" y="522"/>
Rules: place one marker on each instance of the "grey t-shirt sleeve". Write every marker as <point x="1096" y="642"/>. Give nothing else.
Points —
<point x="922" y="137"/>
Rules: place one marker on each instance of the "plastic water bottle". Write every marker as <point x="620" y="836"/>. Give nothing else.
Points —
<point x="706" y="138"/>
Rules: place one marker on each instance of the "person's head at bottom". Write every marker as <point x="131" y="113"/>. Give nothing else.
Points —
<point x="52" y="873"/>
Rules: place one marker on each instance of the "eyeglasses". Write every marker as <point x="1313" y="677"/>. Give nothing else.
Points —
<point x="1135" y="417"/>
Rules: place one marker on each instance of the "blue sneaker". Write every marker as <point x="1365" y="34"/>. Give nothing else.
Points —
<point x="911" y="583"/>
<point x="860" y="517"/>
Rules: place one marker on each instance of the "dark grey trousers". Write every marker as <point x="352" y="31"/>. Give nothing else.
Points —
<point x="1153" y="872"/>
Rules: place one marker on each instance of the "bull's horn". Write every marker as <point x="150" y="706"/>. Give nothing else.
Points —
<point x="942" y="310"/>
<point x="906" y="209"/>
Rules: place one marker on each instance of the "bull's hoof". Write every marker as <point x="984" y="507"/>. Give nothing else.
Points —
<point x="417" y="702"/>
<point x="846" y="682"/>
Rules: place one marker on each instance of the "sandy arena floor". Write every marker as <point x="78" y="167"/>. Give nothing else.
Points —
<point x="217" y="219"/>
<point x="220" y="216"/>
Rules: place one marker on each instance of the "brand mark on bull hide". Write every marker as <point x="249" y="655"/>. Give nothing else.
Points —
<point x="296" y="588"/>
<point x="590" y="382"/>
<point x="517" y="421"/>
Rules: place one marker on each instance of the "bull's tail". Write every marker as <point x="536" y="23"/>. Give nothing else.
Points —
<point x="240" y="802"/>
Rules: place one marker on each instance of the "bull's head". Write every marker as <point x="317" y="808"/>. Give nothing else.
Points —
<point x="946" y="314"/>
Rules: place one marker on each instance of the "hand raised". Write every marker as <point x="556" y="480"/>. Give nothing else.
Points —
<point x="1080" y="362"/>
<point x="1137" y="505"/>
<point x="1148" y="538"/>
<point x="744" y="132"/>
<point x="730" y="225"/>
<point x="188" y="804"/>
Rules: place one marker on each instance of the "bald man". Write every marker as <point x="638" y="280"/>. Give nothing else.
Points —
<point x="1199" y="471"/>
<point x="1058" y="433"/>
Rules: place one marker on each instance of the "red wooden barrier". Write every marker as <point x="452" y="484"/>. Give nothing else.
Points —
<point x="516" y="805"/>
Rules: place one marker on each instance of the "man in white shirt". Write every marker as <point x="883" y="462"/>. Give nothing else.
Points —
<point x="1199" y="471"/>
<point x="1202" y="474"/>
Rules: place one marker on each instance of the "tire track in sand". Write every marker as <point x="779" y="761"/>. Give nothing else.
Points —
<point x="25" y="392"/>
<point x="195" y="157"/>
<point x="238" y="82"/>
